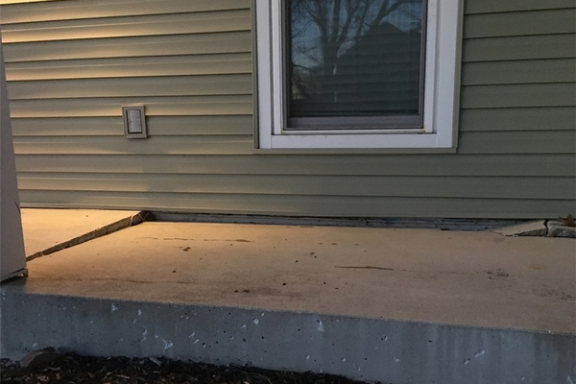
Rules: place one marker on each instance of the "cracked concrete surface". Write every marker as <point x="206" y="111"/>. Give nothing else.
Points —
<point x="549" y="228"/>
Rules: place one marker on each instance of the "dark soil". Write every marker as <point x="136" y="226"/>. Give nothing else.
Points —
<point x="71" y="368"/>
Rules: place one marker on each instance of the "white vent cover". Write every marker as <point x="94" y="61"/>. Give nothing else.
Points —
<point x="134" y="122"/>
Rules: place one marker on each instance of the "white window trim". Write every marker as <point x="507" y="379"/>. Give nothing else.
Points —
<point x="441" y="89"/>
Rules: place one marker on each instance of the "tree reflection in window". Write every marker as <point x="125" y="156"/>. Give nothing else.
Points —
<point x="355" y="57"/>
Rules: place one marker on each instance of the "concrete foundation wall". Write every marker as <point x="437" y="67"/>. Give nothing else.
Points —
<point x="389" y="351"/>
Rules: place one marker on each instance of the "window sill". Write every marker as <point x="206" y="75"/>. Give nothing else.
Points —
<point x="355" y="151"/>
<point x="356" y="140"/>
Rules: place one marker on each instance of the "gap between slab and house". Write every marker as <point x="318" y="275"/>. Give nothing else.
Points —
<point x="443" y="224"/>
<point x="506" y="227"/>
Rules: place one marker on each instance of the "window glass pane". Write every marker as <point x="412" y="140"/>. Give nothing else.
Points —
<point x="354" y="57"/>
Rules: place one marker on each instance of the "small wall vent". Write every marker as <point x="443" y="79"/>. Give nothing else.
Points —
<point x="134" y="122"/>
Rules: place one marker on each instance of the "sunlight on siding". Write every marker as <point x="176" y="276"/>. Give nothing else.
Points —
<point x="4" y="2"/>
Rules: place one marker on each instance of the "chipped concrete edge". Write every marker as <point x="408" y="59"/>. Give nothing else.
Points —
<point x="547" y="228"/>
<point x="126" y="222"/>
<point x="557" y="229"/>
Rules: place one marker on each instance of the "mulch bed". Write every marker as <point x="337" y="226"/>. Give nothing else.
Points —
<point x="70" y="368"/>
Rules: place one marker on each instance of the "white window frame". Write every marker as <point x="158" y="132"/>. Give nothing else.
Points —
<point x="441" y="88"/>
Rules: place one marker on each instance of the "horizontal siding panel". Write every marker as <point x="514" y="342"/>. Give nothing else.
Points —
<point x="131" y="67"/>
<point x="495" y="6"/>
<point x="72" y="126"/>
<point x="521" y="95"/>
<point x="360" y="186"/>
<point x="152" y="46"/>
<point x="66" y="10"/>
<point x="520" y="23"/>
<point x="520" y="48"/>
<point x="132" y="87"/>
<point x="201" y="125"/>
<point x="519" y="72"/>
<point x="503" y="165"/>
<point x="114" y="27"/>
<point x="113" y="126"/>
<point x="518" y="119"/>
<point x="21" y="1"/>
<point x="223" y="145"/>
<point x="304" y="205"/>
<point x="518" y="142"/>
<point x="191" y="105"/>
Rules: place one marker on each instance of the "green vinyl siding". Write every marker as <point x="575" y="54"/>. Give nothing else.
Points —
<point x="499" y="165"/>
<point x="513" y="48"/>
<point x="233" y="63"/>
<point x="291" y="205"/>
<point x="220" y="125"/>
<point x="143" y="86"/>
<point x="523" y="23"/>
<point x="71" y="65"/>
<point x="155" y="106"/>
<point x="519" y="72"/>
<point x="361" y="186"/>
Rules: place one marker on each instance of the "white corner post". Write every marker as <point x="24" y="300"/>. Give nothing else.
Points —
<point x="12" y="256"/>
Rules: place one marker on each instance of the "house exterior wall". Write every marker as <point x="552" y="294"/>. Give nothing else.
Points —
<point x="72" y="65"/>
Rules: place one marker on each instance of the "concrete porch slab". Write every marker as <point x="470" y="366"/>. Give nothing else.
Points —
<point x="466" y="278"/>
<point x="394" y="305"/>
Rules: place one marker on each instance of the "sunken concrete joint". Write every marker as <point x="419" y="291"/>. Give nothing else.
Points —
<point x="127" y="222"/>
<point x="532" y="228"/>
<point x="371" y="349"/>
<point x="558" y="229"/>
<point x="549" y="228"/>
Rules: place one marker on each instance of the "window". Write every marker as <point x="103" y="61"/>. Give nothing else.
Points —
<point x="357" y="73"/>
